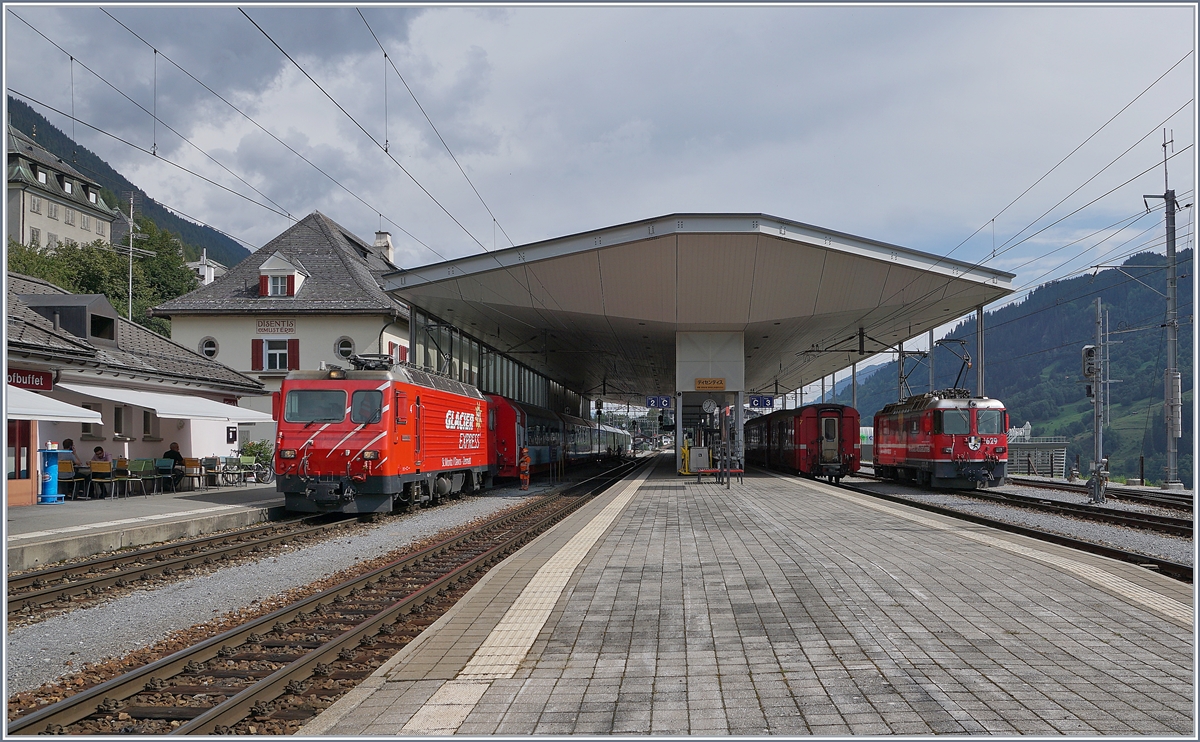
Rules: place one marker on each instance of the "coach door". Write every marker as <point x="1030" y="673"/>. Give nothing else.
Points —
<point x="829" y="440"/>
<point x="418" y="435"/>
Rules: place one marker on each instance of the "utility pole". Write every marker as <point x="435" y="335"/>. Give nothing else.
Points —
<point x="931" y="361"/>
<point x="129" y="312"/>
<point x="979" y="368"/>
<point x="1172" y="396"/>
<point x="900" y="371"/>
<point x="1093" y="372"/>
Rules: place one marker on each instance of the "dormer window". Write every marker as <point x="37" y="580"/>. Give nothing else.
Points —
<point x="278" y="276"/>
<point x="68" y="186"/>
<point x="92" y="196"/>
<point x="41" y="175"/>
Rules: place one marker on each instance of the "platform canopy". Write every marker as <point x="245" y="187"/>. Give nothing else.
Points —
<point x="599" y="311"/>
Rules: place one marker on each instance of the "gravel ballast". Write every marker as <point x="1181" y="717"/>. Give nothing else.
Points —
<point x="1171" y="548"/>
<point x="46" y="651"/>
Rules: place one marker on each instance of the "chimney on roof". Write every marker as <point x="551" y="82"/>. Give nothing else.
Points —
<point x="383" y="241"/>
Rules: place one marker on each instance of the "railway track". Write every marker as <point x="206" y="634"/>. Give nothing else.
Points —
<point x="1163" y="498"/>
<point x="1127" y="518"/>
<point x="1182" y="572"/>
<point x="51" y="589"/>
<point x="271" y="674"/>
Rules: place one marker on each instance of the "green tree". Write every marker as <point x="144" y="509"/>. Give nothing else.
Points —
<point x="100" y="268"/>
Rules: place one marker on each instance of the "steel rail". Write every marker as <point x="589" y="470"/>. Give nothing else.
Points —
<point x="1181" y="572"/>
<point x="88" y="702"/>
<point x="1127" y="518"/>
<point x="1165" y="498"/>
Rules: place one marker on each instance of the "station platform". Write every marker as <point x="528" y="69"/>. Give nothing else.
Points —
<point x="784" y="606"/>
<point x="38" y="535"/>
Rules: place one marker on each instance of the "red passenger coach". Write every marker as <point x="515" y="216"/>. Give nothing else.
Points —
<point x="377" y="438"/>
<point x="819" y="440"/>
<point x="944" y="439"/>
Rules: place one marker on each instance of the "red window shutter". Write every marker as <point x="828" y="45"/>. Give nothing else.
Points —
<point x="291" y="284"/>
<point x="403" y="354"/>
<point x="256" y="355"/>
<point x="293" y="358"/>
<point x="264" y="286"/>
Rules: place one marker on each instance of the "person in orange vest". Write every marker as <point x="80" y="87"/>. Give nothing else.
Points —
<point x="523" y="468"/>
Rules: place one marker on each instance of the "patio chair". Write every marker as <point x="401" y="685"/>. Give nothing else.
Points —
<point x="102" y="474"/>
<point x="166" y="473"/>
<point x="212" y="470"/>
<point x="143" y="471"/>
<point x="193" y="472"/>
<point x="68" y="474"/>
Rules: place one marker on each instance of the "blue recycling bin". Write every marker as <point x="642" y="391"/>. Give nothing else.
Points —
<point x="49" y="492"/>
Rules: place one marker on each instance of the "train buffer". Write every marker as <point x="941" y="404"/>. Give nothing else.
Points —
<point x="718" y="474"/>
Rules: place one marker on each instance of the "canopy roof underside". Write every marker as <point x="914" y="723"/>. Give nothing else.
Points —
<point x="600" y="310"/>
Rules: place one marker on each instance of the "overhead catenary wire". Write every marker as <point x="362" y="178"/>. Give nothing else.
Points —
<point x="266" y="131"/>
<point x="143" y="109"/>
<point x="388" y="60"/>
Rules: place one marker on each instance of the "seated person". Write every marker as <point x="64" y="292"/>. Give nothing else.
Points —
<point x="99" y="455"/>
<point x="177" y="463"/>
<point x="69" y="445"/>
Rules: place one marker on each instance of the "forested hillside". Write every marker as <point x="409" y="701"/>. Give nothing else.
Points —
<point x="1033" y="363"/>
<point x="194" y="236"/>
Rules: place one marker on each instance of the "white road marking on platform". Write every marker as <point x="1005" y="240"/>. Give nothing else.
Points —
<point x="1160" y="603"/>
<point x="106" y="525"/>
<point x="501" y="653"/>
<point x="447" y="709"/>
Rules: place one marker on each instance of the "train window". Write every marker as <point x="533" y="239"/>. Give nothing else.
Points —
<point x="830" y="425"/>
<point x="956" y="422"/>
<point x="315" y="405"/>
<point x="990" y="422"/>
<point x="491" y="418"/>
<point x="366" y="406"/>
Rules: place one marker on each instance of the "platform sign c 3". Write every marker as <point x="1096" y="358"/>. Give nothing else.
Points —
<point x="710" y="385"/>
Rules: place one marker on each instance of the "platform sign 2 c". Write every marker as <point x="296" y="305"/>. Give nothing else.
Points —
<point x="762" y="401"/>
<point x="659" y="402"/>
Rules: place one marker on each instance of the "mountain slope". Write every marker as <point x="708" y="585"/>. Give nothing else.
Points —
<point x="194" y="236"/>
<point x="1033" y="363"/>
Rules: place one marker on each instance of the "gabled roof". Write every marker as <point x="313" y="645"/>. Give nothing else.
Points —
<point x="22" y="151"/>
<point x="138" y="351"/>
<point x="343" y="276"/>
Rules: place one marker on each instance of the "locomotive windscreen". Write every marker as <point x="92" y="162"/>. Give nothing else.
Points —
<point x="366" y="406"/>
<point x="315" y="405"/>
<point x="991" y="422"/>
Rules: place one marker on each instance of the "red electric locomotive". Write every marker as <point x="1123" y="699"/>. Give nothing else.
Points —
<point x="945" y="438"/>
<point x="818" y="440"/>
<point x="377" y="438"/>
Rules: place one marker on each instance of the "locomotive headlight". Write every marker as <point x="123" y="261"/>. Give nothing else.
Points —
<point x="287" y="453"/>
<point x="337" y="373"/>
<point x="370" y="455"/>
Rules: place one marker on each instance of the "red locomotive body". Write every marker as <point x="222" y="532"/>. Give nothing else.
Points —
<point x="549" y="436"/>
<point x="819" y="440"/>
<point x="368" y="441"/>
<point x="945" y="439"/>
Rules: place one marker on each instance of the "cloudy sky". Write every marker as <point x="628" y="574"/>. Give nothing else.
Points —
<point x="912" y="125"/>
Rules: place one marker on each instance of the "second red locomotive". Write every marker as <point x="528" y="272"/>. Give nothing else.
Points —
<point x="817" y="440"/>
<point x="945" y="438"/>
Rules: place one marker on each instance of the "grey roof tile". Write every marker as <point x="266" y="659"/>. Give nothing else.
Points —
<point x="139" y="349"/>
<point x="342" y="277"/>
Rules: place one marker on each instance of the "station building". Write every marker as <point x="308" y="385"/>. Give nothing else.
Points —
<point x="49" y="201"/>
<point x="310" y="296"/>
<point x="77" y="369"/>
<point x="694" y="307"/>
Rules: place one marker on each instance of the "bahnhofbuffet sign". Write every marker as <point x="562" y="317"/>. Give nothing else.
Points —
<point x="41" y="380"/>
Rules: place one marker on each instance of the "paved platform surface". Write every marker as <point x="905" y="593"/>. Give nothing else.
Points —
<point x="37" y="535"/>
<point x="789" y="607"/>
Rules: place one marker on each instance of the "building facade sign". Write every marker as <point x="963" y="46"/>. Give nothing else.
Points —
<point x="41" y="380"/>
<point x="275" y="326"/>
<point x="710" y="385"/>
